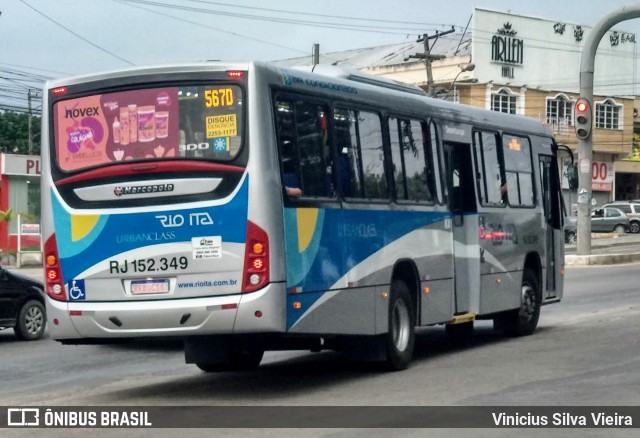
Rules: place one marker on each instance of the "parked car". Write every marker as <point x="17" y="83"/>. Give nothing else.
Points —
<point x="609" y="219"/>
<point x="631" y="209"/>
<point x="22" y="305"/>
<point x="603" y="220"/>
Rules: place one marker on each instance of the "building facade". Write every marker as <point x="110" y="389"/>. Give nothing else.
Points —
<point x="19" y="195"/>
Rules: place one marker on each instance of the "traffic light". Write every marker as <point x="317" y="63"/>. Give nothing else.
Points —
<point x="583" y="118"/>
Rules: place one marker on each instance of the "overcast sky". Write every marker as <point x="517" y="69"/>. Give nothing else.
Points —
<point x="42" y="39"/>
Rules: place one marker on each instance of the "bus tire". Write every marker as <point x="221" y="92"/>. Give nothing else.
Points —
<point x="400" y="338"/>
<point x="239" y="360"/>
<point x="523" y="321"/>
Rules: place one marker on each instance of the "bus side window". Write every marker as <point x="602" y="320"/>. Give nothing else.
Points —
<point x="490" y="177"/>
<point x="411" y="160"/>
<point x="361" y="160"/>
<point x="519" y="170"/>
<point x="304" y="149"/>
<point x="436" y="163"/>
<point x="346" y="173"/>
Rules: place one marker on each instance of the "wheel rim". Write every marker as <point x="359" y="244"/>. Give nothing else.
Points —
<point x="634" y="227"/>
<point x="528" y="307"/>
<point x="34" y="320"/>
<point x="400" y="326"/>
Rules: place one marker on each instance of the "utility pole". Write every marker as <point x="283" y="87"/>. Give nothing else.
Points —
<point x="315" y="56"/>
<point x="428" y="57"/>
<point x="30" y="122"/>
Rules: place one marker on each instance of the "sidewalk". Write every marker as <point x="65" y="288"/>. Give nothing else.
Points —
<point x="606" y="249"/>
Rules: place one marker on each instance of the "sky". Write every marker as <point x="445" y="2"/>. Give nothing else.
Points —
<point x="46" y="39"/>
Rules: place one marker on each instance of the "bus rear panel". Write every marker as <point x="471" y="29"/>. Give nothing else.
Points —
<point x="147" y="188"/>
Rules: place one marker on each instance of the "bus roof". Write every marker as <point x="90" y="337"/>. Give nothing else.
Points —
<point x="369" y="87"/>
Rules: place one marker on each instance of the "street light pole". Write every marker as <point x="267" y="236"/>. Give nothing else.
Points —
<point x="469" y="67"/>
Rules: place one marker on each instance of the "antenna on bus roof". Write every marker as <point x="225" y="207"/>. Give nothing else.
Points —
<point x="358" y="76"/>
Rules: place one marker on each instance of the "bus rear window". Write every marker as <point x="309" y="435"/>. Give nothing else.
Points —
<point x="197" y="122"/>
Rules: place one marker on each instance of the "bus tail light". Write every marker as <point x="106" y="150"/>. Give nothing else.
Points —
<point x="59" y="91"/>
<point x="235" y="74"/>
<point x="256" y="259"/>
<point x="52" y="274"/>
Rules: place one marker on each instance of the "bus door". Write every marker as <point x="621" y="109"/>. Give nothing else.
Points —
<point x="552" y="208"/>
<point x="462" y="202"/>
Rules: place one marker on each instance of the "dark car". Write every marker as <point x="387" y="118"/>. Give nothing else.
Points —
<point x="22" y="305"/>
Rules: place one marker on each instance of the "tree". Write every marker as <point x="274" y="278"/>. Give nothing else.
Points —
<point x="7" y="216"/>
<point x="14" y="133"/>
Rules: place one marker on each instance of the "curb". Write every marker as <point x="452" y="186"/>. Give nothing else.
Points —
<point x="600" y="259"/>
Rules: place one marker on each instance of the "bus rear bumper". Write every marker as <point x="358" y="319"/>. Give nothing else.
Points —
<point x="260" y="311"/>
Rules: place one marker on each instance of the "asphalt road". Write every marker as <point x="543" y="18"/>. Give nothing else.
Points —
<point x="585" y="352"/>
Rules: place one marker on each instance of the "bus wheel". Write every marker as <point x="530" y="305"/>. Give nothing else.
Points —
<point x="239" y="360"/>
<point x="523" y="321"/>
<point x="400" y="338"/>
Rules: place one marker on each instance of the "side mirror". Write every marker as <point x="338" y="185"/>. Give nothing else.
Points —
<point x="572" y="176"/>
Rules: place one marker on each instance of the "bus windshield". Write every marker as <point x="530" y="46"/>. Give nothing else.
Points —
<point x="196" y="122"/>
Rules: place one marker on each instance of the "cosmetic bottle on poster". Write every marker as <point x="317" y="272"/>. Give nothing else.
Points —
<point x="162" y="124"/>
<point x="146" y="123"/>
<point x="133" y="123"/>
<point x="116" y="131"/>
<point x="124" y="126"/>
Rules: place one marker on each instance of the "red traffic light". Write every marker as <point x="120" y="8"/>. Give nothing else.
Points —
<point x="583" y="118"/>
<point x="582" y="106"/>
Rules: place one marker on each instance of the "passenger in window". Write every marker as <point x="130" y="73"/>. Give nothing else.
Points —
<point x="503" y="192"/>
<point x="290" y="179"/>
<point x="293" y="192"/>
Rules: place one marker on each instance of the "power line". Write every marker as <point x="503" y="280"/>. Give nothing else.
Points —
<point x="353" y="27"/>
<point x="102" y="49"/>
<point x="209" y="27"/>
<point x="35" y="68"/>
<point x="340" y="17"/>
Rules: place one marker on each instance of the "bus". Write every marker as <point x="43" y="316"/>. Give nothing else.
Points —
<point x="247" y="207"/>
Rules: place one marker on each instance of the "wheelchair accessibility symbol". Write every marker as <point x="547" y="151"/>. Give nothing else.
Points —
<point x="76" y="290"/>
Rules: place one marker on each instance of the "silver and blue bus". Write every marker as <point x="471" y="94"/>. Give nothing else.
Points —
<point x="246" y="208"/>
